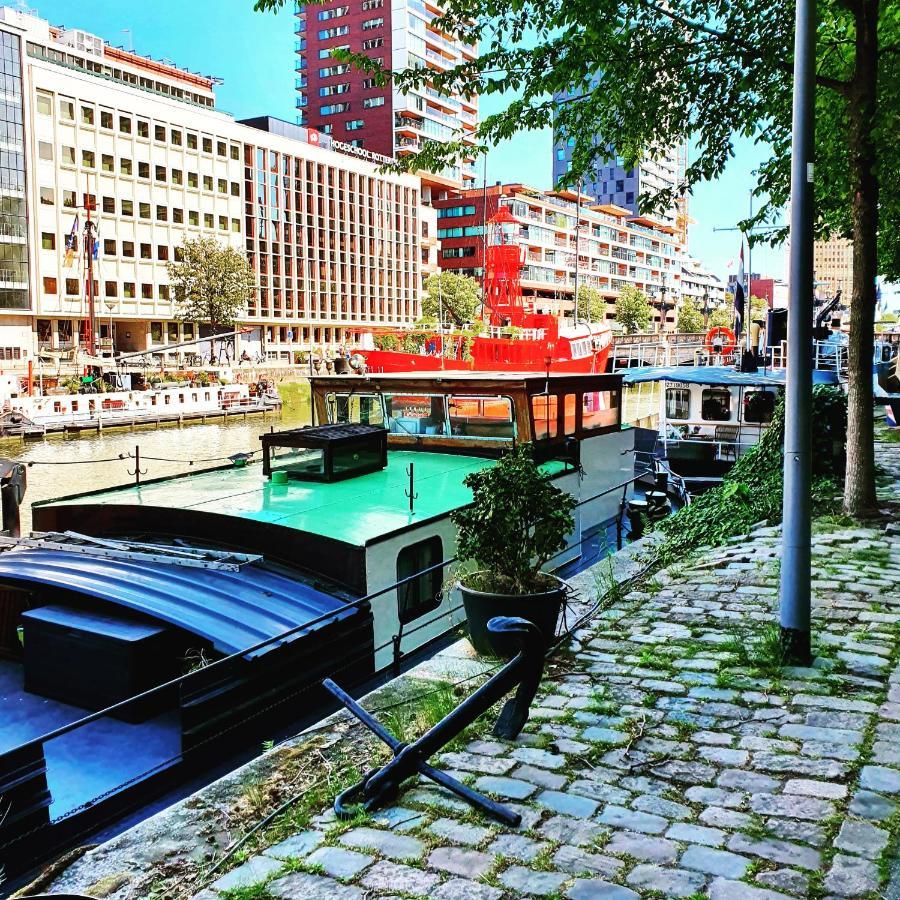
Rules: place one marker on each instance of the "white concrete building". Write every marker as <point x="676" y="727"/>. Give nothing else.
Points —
<point x="142" y="144"/>
<point x="698" y="284"/>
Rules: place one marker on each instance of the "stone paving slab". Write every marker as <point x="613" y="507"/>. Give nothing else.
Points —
<point x="669" y="754"/>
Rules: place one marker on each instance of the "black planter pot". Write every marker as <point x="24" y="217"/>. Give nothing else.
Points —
<point x="541" y="609"/>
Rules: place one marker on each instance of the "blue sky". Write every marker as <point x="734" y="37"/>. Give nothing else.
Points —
<point x="254" y="54"/>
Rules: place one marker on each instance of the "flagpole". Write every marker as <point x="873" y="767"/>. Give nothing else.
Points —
<point x="749" y="294"/>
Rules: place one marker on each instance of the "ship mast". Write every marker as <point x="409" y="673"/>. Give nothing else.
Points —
<point x="90" y="336"/>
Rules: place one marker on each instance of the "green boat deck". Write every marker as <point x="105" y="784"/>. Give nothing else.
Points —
<point x="356" y="511"/>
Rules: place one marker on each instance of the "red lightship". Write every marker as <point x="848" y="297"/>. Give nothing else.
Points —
<point x="511" y="338"/>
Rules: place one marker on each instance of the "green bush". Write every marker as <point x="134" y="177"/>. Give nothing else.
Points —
<point x="752" y="491"/>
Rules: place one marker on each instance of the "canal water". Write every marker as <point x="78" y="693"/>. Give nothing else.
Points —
<point x="60" y="465"/>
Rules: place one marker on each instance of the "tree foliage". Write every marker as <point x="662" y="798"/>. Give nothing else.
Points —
<point x="689" y="316"/>
<point x="517" y="522"/>
<point x="633" y="310"/>
<point x="457" y="296"/>
<point x="590" y="303"/>
<point x="212" y="283"/>
<point x="722" y="316"/>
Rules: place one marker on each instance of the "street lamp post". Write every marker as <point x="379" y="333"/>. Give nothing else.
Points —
<point x="706" y="310"/>
<point x="796" y="568"/>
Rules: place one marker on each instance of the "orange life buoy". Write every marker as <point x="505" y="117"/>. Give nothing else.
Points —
<point x="720" y="340"/>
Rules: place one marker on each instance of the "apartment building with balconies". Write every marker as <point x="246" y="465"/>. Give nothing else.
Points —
<point x="339" y="100"/>
<point x="567" y="241"/>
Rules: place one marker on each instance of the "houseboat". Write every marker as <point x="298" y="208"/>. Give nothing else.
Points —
<point x="243" y="586"/>
<point x="33" y="416"/>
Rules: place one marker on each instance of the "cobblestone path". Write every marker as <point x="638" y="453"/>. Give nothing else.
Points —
<point x="671" y="757"/>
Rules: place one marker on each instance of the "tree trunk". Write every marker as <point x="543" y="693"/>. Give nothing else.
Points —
<point x="859" y="490"/>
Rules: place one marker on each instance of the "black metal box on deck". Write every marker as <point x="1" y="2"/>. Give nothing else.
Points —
<point x="93" y="660"/>
<point x="334" y="452"/>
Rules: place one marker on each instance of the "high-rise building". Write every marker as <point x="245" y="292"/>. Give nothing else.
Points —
<point x="337" y="245"/>
<point x="613" y="183"/>
<point x="614" y="248"/>
<point x="833" y="267"/>
<point x="338" y="99"/>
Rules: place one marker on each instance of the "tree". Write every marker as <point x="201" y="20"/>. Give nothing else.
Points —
<point x="458" y="296"/>
<point x="689" y="316"/>
<point x="212" y="283"/>
<point x="633" y="310"/>
<point x="722" y="316"/>
<point x="590" y="303"/>
<point x="642" y="75"/>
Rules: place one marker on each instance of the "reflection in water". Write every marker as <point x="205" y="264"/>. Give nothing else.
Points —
<point x="64" y="465"/>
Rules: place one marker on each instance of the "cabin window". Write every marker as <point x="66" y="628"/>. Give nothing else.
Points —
<point x="168" y="399"/>
<point x="206" y="395"/>
<point x="759" y="407"/>
<point x="422" y="594"/>
<point x="570" y="419"/>
<point x="153" y="400"/>
<point x="74" y="406"/>
<point x="543" y="410"/>
<point x="715" y="405"/>
<point x="489" y="418"/>
<point x="599" y="410"/>
<point x="365" y="409"/>
<point x="193" y="396"/>
<point x="416" y="414"/>
<point x="678" y="403"/>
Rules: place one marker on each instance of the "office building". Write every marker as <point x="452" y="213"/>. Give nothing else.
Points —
<point x="141" y="143"/>
<point x="614" y="247"/>
<point x="338" y="99"/>
<point x="833" y="267"/>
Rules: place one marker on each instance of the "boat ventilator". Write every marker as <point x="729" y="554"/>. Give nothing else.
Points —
<point x="381" y="786"/>
<point x="73" y="542"/>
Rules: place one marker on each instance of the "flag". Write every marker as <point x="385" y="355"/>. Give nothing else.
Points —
<point x="739" y="296"/>
<point x="71" y="244"/>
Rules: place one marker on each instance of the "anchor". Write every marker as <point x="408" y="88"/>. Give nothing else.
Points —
<point x="381" y="786"/>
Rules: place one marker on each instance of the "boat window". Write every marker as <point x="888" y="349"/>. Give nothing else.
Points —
<point x="599" y="409"/>
<point x="304" y="462"/>
<point x="715" y="405"/>
<point x="543" y="410"/>
<point x="365" y="409"/>
<point x="482" y="417"/>
<point x="678" y="403"/>
<point x="418" y="414"/>
<point x="422" y="594"/>
<point x="570" y="420"/>
<point x="759" y="406"/>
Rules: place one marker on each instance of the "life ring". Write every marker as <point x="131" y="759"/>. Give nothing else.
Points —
<point x="720" y="340"/>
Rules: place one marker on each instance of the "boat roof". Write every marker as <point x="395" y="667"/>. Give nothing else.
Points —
<point x="231" y="609"/>
<point x="720" y="375"/>
<point x="482" y="381"/>
<point x="356" y="510"/>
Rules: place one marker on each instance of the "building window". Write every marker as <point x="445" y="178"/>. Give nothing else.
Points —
<point x="207" y="145"/>
<point x="109" y="247"/>
<point x="143" y="170"/>
<point x="47" y="198"/>
<point x="160" y="173"/>
<point x="326" y="52"/>
<point x="208" y="221"/>
<point x="222" y="185"/>
<point x="159" y="133"/>
<point x="87" y="115"/>
<point x="330" y="89"/>
<point x="125" y="166"/>
<point x="107" y="163"/>
<point x="191" y="140"/>
<point x="48" y="240"/>
<point x="338" y="31"/>
<point x="111" y="289"/>
<point x="67" y="110"/>
<point x="355" y="124"/>
<point x="235" y="189"/>
<point x="176" y="137"/>
<point x="369" y="102"/>
<point x="163" y="292"/>
<point x="193" y="217"/>
<point x="369" y="24"/>
<point x="144" y="210"/>
<point x="146" y="292"/>
<point x="177" y="215"/>
<point x="372" y="4"/>
<point x="71" y="287"/>
<point x="49" y="285"/>
<point x="45" y="104"/>
<point x="162" y="253"/>
<point x="422" y="594"/>
<point x="162" y="213"/>
<point x="334" y="70"/>
<point x="128" y="207"/>
<point x="332" y="109"/>
<point x="128" y="290"/>
<point x="68" y="199"/>
<point x="106" y="119"/>
<point x="236" y="225"/>
<point x="336" y="13"/>
<point x="128" y="248"/>
<point x="372" y="43"/>
<point x="88" y="160"/>
<point x="143" y="129"/>
<point x="207" y="183"/>
<point x="146" y="251"/>
<point x="221" y="149"/>
<point x="124" y="124"/>
<point x="45" y="150"/>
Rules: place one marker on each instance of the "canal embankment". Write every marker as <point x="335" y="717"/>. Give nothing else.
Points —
<point x="669" y="752"/>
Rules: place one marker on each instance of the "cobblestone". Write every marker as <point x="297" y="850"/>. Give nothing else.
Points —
<point x="669" y="882"/>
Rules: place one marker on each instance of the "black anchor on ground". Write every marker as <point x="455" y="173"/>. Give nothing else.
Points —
<point x="381" y="786"/>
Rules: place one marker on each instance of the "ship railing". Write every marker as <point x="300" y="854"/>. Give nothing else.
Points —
<point x="828" y="356"/>
<point x="36" y="834"/>
<point x="524" y="334"/>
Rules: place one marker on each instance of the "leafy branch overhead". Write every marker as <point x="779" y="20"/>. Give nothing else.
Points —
<point x="212" y="282"/>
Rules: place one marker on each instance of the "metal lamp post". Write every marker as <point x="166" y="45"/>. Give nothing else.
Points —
<point x="795" y="603"/>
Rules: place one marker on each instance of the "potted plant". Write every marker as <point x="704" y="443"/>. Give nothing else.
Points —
<point x="517" y="522"/>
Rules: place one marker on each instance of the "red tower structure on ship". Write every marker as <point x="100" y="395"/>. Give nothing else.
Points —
<point x="502" y="270"/>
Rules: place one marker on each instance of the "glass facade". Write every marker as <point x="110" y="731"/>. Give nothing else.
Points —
<point x="13" y="211"/>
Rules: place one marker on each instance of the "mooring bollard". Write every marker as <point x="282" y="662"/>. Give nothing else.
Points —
<point x="381" y="786"/>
